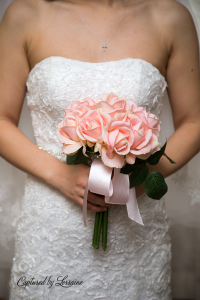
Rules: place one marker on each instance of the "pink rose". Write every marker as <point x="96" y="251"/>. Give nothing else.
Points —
<point x="113" y="99"/>
<point x="103" y="106"/>
<point x="110" y="105"/>
<point x="91" y="124"/>
<point x="110" y="99"/>
<point x="67" y="135"/>
<point x="117" y="138"/>
<point x="128" y="116"/>
<point x="145" y="143"/>
<point x="113" y="104"/>
<point x="120" y="102"/>
<point x="81" y="106"/>
<point x="150" y="121"/>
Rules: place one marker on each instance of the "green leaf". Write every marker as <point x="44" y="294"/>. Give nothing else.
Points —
<point x="127" y="169"/>
<point x="138" y="175"/>
<point x="155" y="185"/>
<point x="171" y="161"/>
<point x="153" y="159"/>
<point x="140" y="161"/>
<point x="78" y="158"/>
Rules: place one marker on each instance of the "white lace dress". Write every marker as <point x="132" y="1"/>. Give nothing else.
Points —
<point x="51" y="240"/>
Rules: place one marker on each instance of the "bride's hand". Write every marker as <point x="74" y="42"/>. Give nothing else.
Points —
<point x="71" y="180"/>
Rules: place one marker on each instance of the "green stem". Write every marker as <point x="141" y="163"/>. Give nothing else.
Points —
<point x="95" y="230"/>
<point x="105" y="229"/>
<point x="99" y="230"/>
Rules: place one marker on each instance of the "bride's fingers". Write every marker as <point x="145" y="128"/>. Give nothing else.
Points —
<point x="95" y="208"/>
<point x="97" y="199"/>
<point x="90" y="206"/>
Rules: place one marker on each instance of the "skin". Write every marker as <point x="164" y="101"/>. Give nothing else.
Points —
<point x="159" y="31"/>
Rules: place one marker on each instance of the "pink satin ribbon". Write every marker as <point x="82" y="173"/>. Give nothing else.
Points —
<point x="116" y="190"/>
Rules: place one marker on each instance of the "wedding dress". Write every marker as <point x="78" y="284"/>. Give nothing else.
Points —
<point x="51" y="239"/>
<point x="182" y="202"/>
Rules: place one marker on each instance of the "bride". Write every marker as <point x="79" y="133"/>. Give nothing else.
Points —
<point x="67" y="50"/>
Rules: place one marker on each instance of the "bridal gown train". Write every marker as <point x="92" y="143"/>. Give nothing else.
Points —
<point x="51" y="240"/>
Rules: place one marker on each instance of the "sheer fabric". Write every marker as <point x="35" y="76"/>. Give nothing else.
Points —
<point x="182" y="201"/>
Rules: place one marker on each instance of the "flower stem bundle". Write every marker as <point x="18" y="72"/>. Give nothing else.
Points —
<point x="101" y="222"/>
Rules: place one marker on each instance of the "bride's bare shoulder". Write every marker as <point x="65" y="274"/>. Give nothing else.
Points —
<point x="22" y="14"/>
<point x="171" y="14"/>
<point x="174" y="22"/>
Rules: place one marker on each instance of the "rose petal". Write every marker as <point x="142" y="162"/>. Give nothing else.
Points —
<point x="68" y="149"/>
<point x="63" y="138"/>
<point x="91" y="134"/>
<point x="138" y="139"/>
<point x="111" y="98"/>
<point x="130" y="158"/>
<point x="71" y="131"/>
<point x="154" y="142"/>
<point x="145" y="150"/>
<point x="148" y="135"/>
<point x="116" y="162"/>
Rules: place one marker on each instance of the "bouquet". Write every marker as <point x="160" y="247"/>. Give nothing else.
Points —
<point x="117" y="139"/>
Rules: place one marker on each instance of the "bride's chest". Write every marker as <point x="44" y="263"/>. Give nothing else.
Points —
<point x="60" y="31"/>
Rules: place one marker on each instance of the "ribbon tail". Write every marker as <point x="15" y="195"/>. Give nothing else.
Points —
<point x="120" y="188"/>
<point x="99" y="182"/>
<point x="85" y="206"/>
<point x="132" y="207"/>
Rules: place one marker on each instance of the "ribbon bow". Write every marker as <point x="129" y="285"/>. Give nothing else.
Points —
<point x="116" y="190"/>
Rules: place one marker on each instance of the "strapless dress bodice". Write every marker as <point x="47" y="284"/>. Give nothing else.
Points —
<point x="57" y="81"/>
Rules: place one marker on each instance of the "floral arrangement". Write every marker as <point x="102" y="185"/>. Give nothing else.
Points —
<point x="123" y="135"/>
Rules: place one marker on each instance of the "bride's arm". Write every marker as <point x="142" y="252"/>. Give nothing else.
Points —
<point x="183" y="77"/>
<point x="15" y="37"/>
